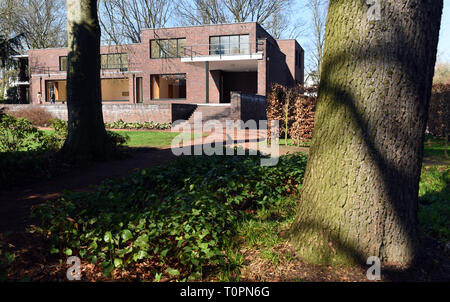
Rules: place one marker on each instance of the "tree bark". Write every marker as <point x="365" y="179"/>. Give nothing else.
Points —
<point x="360" y="193"/>
<point x="87" y="136"/>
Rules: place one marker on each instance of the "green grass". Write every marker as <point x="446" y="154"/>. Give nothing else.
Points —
<point x="261" y="232"/>
<point x="152" y="138"/>
<point x="282" y="141"/>
<point x="149" y="138"/>
<point x="435" y="148"/>
<point x="434" y="202"/>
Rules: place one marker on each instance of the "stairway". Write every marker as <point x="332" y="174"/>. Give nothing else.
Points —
<point x="208" y="112"/>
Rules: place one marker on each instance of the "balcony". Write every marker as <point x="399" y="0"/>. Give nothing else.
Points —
<point x="222" y="52"/>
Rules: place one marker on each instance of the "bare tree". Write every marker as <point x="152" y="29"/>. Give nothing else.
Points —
<point x="318" y="10"/>
<point x="272" y="14"/>
<point x="42" y="22"/>
<point x="7" y="17"/>
<point x="279" y="26"/>
<point x="201" y="12"/>
<point x="10" y="44"/>
<point x="123" y="20"/>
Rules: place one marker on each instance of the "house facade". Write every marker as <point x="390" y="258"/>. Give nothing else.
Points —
<point x="194" y="65"/>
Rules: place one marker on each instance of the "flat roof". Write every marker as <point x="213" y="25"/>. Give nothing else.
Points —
<point x="199" y="25"/>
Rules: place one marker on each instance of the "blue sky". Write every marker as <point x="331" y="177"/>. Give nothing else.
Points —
<point x="444" y="38"/>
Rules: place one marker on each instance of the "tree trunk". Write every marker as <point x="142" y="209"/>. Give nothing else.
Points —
<point x="87" y="135"/>
<point x="360" y="193"/>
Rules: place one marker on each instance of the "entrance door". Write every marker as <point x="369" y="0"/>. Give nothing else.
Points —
<point x="239" y="82"/>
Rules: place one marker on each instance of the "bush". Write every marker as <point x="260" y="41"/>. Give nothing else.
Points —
<point x="28" y="154"/>
<point x="439" y="113"/>
<point x="58" y="137"/>
<point x="16" y="134"/>
<point x="38" y="116"/>
<point x="118" y="139"/>
<point x="120" y="124"/>
<point x="181" y="216"/>
<point x="294" y="107"/>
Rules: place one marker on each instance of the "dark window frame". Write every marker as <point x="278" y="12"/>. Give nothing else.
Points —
<point x="166" y="74"/>
<point x="229" y="44"/>
<point x="122" y="66"/>
<point x="178" y="55"/>
<point x="60" y="65"/>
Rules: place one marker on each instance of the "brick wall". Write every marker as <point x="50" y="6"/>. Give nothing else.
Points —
<point x="294" y="59"/>
<point x="247" y="107"/>
<point x="275" y="67"/>
<point x="161" y="113"/>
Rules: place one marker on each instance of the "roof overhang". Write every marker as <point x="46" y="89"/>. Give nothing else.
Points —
<point x="221" y="58"/>
<point x="19" y="56"/>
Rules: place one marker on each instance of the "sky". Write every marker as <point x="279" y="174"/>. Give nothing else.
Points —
<point x="444" y="37"/>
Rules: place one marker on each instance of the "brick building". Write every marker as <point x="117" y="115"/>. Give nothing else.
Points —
<point x="193" y="65"/>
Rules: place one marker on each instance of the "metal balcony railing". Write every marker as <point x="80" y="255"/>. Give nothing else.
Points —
<point x="203" y="50"/>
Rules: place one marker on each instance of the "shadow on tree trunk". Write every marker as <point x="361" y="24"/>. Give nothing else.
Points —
<point x="360" y="195"/>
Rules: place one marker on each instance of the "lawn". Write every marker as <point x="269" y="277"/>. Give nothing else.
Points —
<point x="152" y="138"/>
<point x="434" y="147"/>
<point x="148" y="138"/>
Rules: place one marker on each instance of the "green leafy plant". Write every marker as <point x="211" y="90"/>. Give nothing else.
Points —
<point x="182" y="216"/>
<point x="6" y="259"/>
<point x="16" y="134"/>
<point x="120" y="124"/>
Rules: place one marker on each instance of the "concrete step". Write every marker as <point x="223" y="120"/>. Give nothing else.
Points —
<point x="211" y="113"/>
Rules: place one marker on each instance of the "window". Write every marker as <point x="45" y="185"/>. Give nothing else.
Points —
<point x="168" y="86"/>
<point x="115" y="61"/>
<point x="63" y="63"/>
<point x="229" y="45"/>
<point x="167" y="48"/>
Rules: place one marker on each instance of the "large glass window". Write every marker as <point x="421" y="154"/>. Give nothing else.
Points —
<point x="229" y="45"/>
<point x="167" y="48"/>
<point x="168" y="86"/>
<point x="114" y="61"/>
<point x="63" y="63"/>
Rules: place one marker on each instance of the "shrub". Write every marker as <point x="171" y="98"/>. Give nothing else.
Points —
<point x="294" y="107"/>
<point x="181" y="216"/>
<point x="120" y="124"/>
<point x="16" y="134"/>
<point x="439" y="113"/>
<point x="28" y="154"/>
<point x="38" y="116"/>
<point x="118" y="139"/>
<point x="56" y="139"/>
<point x="303" y="125"/>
